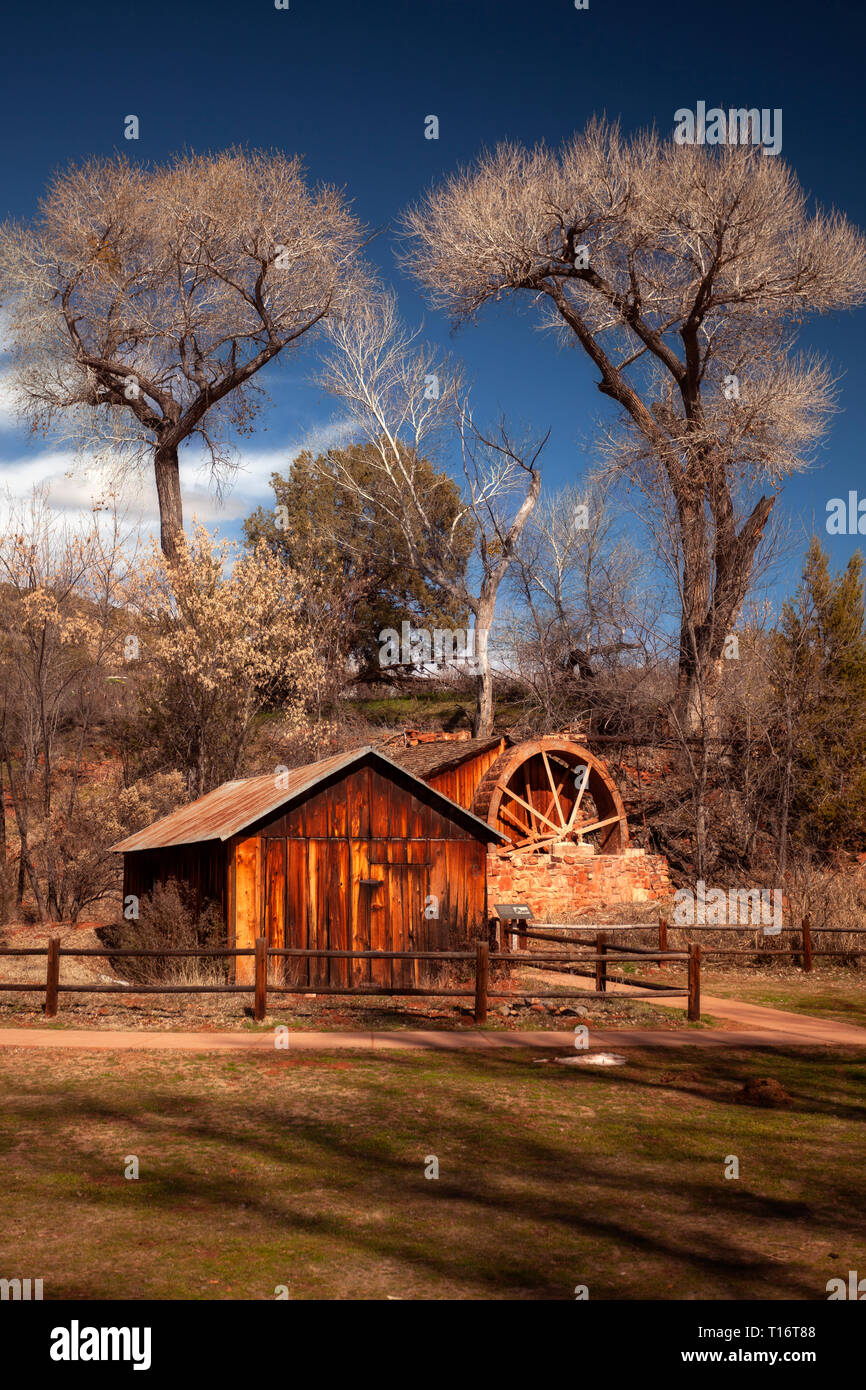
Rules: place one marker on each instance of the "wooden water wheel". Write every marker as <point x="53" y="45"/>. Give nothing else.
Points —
<point x="548" y="791"/>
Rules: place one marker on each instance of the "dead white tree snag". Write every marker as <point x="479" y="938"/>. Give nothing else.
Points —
<point x="383" y="374"/>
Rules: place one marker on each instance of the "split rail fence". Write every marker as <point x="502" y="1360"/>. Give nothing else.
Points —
<point x="803" y="935"/>
<point x="603" y="957"/>
<point x="604" y="953"/>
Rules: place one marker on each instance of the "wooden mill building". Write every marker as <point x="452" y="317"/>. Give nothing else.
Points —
<point x="536" y="793"/>
<point x="351" y="853"/>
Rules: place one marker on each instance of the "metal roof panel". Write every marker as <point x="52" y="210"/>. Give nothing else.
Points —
<point x="229" y="809"/>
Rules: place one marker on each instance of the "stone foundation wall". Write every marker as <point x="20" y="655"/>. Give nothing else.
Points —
<point x="573" y="878"/>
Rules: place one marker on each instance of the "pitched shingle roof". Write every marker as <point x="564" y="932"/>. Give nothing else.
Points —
<point x="429" y="758"/>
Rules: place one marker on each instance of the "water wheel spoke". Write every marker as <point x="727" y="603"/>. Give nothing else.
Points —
<point x="553" y="787"/>
<point x="521" y="825"/>
<point x="531" y="841"/>
<point x="583" y="786"/>
<point x="529" y="800"/>
<point x="596" y="825"/>
<point x="533" y="811"/>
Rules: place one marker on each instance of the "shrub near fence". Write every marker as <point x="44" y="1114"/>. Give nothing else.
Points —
<point x="482" y="956"/>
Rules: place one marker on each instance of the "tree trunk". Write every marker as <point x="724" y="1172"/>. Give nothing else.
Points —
<point x="782" y="842"/>
<point x="25" y="864"/>
<point x="698" y="690"/>
<point x="170" y="506"/>
<point x="711" y="607"/>
<point x="482" y="723"/>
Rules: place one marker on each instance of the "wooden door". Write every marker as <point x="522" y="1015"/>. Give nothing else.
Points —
<point x="397" y="908"/>
<point x="329" y="897"/>
<point x="298" y="895"/>
<point x="405" y="892"/>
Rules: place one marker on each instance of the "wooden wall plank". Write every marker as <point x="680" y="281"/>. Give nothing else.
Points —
<point x="338" y="880"/>
<point x="248" y="905"/>
<point x="359" y="851"/>
<point x="317" y="970"/>
<point x="297" y="909"/>
<point x="275" y="902"/>
<point x="379" y="916"/>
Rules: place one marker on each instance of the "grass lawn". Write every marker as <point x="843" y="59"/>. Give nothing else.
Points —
<point x="308" y="1170"/>
<point x="842" y="999"/>
<point x="428" y="707"/>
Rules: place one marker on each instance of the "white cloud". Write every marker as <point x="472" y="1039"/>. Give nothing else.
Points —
<point x="74" y="486"/>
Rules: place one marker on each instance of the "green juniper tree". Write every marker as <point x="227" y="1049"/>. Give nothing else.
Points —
<point x="819" y="681"/>
<point x="325" y="532"/>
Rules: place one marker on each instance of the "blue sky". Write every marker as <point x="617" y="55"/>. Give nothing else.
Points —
<point x="348" y="86"/>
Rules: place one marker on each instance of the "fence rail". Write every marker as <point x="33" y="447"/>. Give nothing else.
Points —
<point x="521" y="930"/>
<point x="515" y="950"/>
<point x="260" y="987"/>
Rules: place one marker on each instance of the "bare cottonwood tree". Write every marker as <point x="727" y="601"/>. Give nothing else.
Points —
<point x="142" y="302"/>
<point x="407" y="404"/>
<point x="684" y="273"/>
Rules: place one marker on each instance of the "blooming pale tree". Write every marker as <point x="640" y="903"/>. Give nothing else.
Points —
<point x="62" y="634"/>
<point x="221" y="639"/>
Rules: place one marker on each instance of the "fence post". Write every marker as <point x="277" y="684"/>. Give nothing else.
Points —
<point x="601" y="963"/>
<point x="261" y="995"/>
<point x="53" y="977"/>
<point x="807" y="945"/>
<point x="663" y="934"/>
<point x="694" y="1012"/>
<point x="482" y="975"/>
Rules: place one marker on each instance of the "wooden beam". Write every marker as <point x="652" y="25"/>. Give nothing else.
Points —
<point x="583" y="787"/>
<point x="694" y="1009"/>
<point x="596" y="825"/>
<point x="601" y="962"/>
<point x="260" y="1005"/>
<point x="807" y="944"/>
<point x="531" y="842"/>
<point x="53" y="977"/>
<point x="529" y="801"/>
<point x="482" y="977"/>
<point x="504" y="811"/>
<point x="553" y="787"/>
<point x="516" y="797"/>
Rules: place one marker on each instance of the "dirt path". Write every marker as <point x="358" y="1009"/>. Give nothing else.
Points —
<point x="755" y="1026"/>
<point x="750" y="1016"/>
<point x="57" y="1039"/>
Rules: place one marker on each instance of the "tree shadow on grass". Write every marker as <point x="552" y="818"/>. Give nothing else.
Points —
<point x="529" y="1214"/>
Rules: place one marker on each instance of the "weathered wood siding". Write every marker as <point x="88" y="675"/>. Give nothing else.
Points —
<point x="365" y="861"/>
<point x="321" y="855"/>
<point x="201" y="866"/>
<point x="246" y="911"/>
<point x="460" y="783"/>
